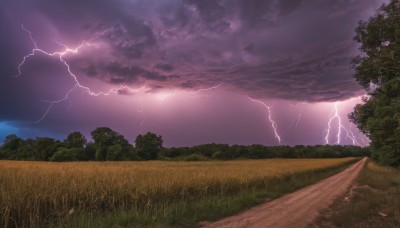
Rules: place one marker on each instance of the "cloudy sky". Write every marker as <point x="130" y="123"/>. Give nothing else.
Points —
<point x="195" y="71"/>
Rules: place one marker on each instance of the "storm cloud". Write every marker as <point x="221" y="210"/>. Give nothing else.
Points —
<point x="293" y="50"/>
<point x="269" y="49"/>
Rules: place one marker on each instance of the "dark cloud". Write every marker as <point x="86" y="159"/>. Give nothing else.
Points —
<point x="128" y="39"/>
<point x="165" y="67"/>
<point x="287" y="6"/>
<point x="278" y="49"/>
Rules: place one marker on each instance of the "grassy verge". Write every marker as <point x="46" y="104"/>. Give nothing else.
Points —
<point x="373" y="202"/>
<point x="190" y="213"/>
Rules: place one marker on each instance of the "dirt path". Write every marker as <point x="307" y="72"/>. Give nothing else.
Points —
<point x="297" y="209"/>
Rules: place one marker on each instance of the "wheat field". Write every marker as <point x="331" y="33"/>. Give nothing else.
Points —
<point x="42" y="192"/>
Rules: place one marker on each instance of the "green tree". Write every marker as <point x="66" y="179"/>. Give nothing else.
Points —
<point x="148" y="146"/>
<point x="12" y="142"/>
<point x="128" y="153"/>
<point x="378" y="71"/>
<point x="45" y="147"/>
<point x="11" y="145"/>
<point x="114" y="153"/>
<point x="27" y="150"/>
<point x="105" y="137"/>
<point x="75" y="140"/>
<point x="89" y="153"/>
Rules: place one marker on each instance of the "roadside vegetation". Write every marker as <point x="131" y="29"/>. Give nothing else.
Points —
<point x="153" y="193"/>
<point x="373" y="202"/>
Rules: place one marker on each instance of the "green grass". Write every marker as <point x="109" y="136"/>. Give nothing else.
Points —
<point x="373" y="202"/>
<point x="190" y="214"/>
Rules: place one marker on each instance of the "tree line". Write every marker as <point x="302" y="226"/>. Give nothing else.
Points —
<point x="109" y="145"/>
<point x="229" y="152"/>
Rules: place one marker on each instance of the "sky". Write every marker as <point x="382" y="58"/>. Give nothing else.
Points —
<point x="271" y="72"/>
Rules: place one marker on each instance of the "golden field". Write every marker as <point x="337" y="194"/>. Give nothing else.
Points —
<point x="43" y="192"/>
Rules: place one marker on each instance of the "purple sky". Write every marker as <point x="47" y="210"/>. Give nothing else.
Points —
<point x="194" y="71"/>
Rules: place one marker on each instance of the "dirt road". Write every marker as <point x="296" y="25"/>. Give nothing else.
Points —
<point x="298" y="209"/>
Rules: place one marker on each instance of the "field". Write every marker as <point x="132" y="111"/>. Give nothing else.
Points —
<point x="146" y="193"/>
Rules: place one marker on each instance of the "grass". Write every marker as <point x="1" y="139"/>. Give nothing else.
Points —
<point x="146" y="194"/>
<point x="373" y="202"/>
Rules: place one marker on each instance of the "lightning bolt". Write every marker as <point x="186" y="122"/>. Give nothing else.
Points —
<point x="340" y="127"/>
<point x="204" y="90"/>
<point x="334" y="115"/>
<point x="350" y="133"/>
<point x="352" y="137"/>
<point x="299" y="114"/>
<point x="77" y="85"/>
<point x="269" y="113"/>
<point x="364" y="140"/>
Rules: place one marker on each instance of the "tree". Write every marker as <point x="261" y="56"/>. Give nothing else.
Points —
<point x="378" y="71"/>
<point x="46" y="147"/>
<point x="75" y="140"/>
<point x="11" y="145"/>
<point x="89" y="153"/>
<point x="105" y="137"/>
<point x="12" y="142"/>
<point x="114" y="153"/>
<point x="27" y="150"/>
<point x="128" y="153"/>
<point x="148" y="146"/>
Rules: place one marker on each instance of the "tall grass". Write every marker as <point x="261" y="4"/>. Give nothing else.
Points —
<point x="40" y="193"/>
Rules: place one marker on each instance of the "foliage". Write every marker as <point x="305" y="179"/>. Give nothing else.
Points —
<point x="113" y="152"/>
<point x="378" y="71"/>
<point x="104" y="138"/>
<point x="10" y="147"/>
<point x="148" y="146"/>
<point x="46" y="147"/>
<point x="226" y="152"/>
<point x="12" y="142"/>
<point x="75" y="140"/>
<point x="89" y="153"/>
